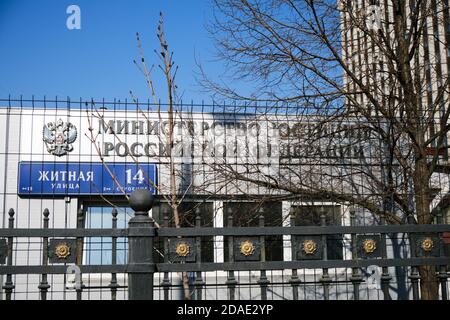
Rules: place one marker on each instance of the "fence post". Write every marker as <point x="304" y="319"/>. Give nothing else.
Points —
<point x="113" y="284"/>
<point x="294" y="276"/>
<point x="43" y="285"/>
<point x="199" y="283"/>
<point x="263" y="281"/>
<point x="385" y="276"/>
<point x="415" y="277"/>
<point x="79" y="258"/>
<point x="414" y="273"/>
<point x="9" y="285"/>
<point x="141" y="266"/>
<point x="356" y="277"/>
<point x="442" y="274"/>
<point x="231" y="280"/>
<point x="166" y="283"/>
<point x="325" y="279"/>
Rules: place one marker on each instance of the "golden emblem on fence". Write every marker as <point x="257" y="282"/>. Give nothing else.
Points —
<point x="309" y="246"/>
<point x="247" y="248"/>
<point x="182" y="249"/>
<point x="369" y="245"/>
<point x="427" y="244"/>
<point x="62" y="250"/>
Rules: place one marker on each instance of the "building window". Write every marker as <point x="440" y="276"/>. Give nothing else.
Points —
<point x="246" y="214"/>
<point x="187" y="211"/>
<point x="309" y="215"/>
<point x="98" y="250"/>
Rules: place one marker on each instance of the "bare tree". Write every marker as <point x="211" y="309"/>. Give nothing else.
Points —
<point x="378" y="68"/>
<point x="171" y="187"/>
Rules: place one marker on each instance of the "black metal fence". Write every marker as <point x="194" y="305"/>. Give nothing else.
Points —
<point x="246" y="273"/>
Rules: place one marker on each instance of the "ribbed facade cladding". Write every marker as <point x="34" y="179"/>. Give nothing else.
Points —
<point x="368" y="34"/>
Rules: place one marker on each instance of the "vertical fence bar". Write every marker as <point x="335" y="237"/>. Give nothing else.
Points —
<point x="43" y="285"/>
<point x="415" y="277"/>
<point x="199" y="283"/>
<point x="442" y="275"/>
<point x="443" y="281"/>
<point x="9" y="285"/>
<point x="414" y="273"/>
<point x="325" y="279"/>
<point x="385" y="276"/>
<point x="263" y="281"/>
<point x="231" y="281"/>
<point x="79" y="258"/>
<point x="113" y="284"/>
<point x="166" y="281"/>
<point x="356" y="277"/>
<point x="141" y="266"/>
<point x="294" y="281"/>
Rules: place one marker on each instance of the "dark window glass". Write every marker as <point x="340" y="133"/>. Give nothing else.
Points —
<point x="310" y="216"/>
<point x="246" y="214"/>
<point x="187" y="212"/>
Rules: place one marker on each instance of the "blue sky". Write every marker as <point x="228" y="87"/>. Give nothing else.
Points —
<point x="39" y="56"/>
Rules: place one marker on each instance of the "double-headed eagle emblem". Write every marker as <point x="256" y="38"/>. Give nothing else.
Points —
<point x="59" y="136"/>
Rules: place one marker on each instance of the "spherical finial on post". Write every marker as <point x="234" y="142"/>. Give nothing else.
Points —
<point x="230" y="221"/>
<point x="198" y="219"/>
<point x="261" y="220"/>
<point x="46" y="213"/>
<point x="141" y="200"/>
<point x="323" y="217"/>
<point x="11" y="218"/>
<point x="80" y="218"/>
<point x="166" y="221"/>
<point x="352" y="215"/>
<point x="292" y="217"/>
<point x="352" y="210"/>
<point x="140" y="246"/>
<point x="438" y="214"/>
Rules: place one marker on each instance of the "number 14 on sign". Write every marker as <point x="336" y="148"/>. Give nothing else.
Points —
<point x="139" y="176"/>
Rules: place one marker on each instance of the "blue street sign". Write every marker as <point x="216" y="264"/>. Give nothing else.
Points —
<point x="84" y="178"/>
